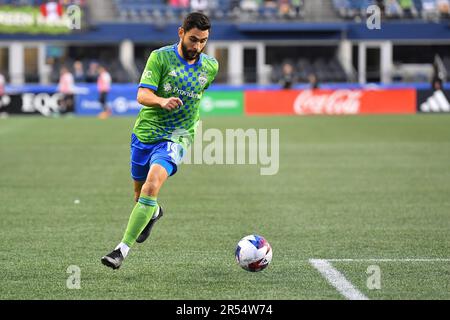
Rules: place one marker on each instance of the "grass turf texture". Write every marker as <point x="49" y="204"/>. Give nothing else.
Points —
<point x="348" y="187"/>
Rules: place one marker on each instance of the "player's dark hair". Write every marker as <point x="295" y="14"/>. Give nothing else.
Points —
<point x="196" y="20"/>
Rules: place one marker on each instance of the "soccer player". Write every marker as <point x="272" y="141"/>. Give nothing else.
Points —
<point x="103" y="87"/>
<point x="170" y="90"/>
<point x="66" y="87"/>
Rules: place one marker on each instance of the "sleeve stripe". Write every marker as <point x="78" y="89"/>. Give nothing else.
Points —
<point x="149" y="86"/>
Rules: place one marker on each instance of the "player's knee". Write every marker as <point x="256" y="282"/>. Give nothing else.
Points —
<point x="150" y="188"/>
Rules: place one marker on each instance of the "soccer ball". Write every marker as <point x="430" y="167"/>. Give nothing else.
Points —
<point x="253" y="253"/>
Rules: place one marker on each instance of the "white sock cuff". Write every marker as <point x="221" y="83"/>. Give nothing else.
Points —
<point x="156" y="214"/>
<point x="124" y="248"/>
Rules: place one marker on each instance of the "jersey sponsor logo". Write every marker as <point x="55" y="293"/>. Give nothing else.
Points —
<point x="189" y="94"/>
<point x="167" y="87"/>
<point x="173" y="73"/>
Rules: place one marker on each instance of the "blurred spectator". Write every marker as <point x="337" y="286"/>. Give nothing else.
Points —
<point x="436" y="83"/>
<point x="47" y="71"/>
<point x="393" y="9"/>
<point x="250" y="5"/>
<point x="92" y="72"/>
<point x="313" y="81"/>
<point x="199" y="5"/>
<point x="437" y="79"/>
<point x="66" y="87"/>
<point x="397" y="74"/>
<point x="78" y="71"/>
<point x="234" y="4"/>
<point x="409" y="11"/>
<point x="288" y="76"/>
<point x="297" y="5"/>
<point x="233" y="10"/>
<point x="103" y="87"/>
<point x="444" y="8"/>
<point x="2" y="86"/>
<point x="284" y="8"/>
<point x="270" y="4"/>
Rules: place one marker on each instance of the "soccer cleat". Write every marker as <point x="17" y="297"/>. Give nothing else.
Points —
<point x="114" y="259"/>
<point x="148" y="228"/>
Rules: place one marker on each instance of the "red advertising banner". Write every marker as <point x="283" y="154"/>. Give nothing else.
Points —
<point x="341" y="101"/>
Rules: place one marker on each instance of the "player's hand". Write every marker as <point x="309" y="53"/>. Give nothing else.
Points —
<point x="171" y="103"/>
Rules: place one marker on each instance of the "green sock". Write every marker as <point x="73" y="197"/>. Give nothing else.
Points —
<point x="140" y="216"/>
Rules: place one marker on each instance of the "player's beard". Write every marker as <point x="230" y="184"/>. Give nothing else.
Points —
<point x="190" y="54"/>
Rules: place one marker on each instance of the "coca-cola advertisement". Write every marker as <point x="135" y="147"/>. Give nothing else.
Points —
<point x="334" y="102"/>
<point x="330" y="102"/>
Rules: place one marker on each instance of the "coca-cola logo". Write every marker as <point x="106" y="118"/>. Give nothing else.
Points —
<point x="328" y="102"/>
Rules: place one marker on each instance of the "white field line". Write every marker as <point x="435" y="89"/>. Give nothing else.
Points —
<point x="337" y="279"/>
<point x="391" y="260"/>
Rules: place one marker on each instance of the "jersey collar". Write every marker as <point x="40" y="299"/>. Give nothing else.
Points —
<point x="198" y="62"/>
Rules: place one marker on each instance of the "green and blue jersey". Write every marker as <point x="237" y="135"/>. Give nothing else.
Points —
<point x="169" y="75"/>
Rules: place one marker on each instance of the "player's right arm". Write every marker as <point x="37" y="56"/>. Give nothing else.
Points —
<point x="150" y="80"/>
<point x="148" y="98"/>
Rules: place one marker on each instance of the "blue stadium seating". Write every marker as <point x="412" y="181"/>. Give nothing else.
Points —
<point x="138" y="10"/>
<point x="354" y="8"/>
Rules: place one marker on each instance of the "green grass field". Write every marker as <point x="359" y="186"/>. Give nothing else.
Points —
<point x="375" y="187"/>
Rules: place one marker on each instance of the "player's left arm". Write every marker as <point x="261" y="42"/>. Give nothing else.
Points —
<point x="213" y="74"/>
